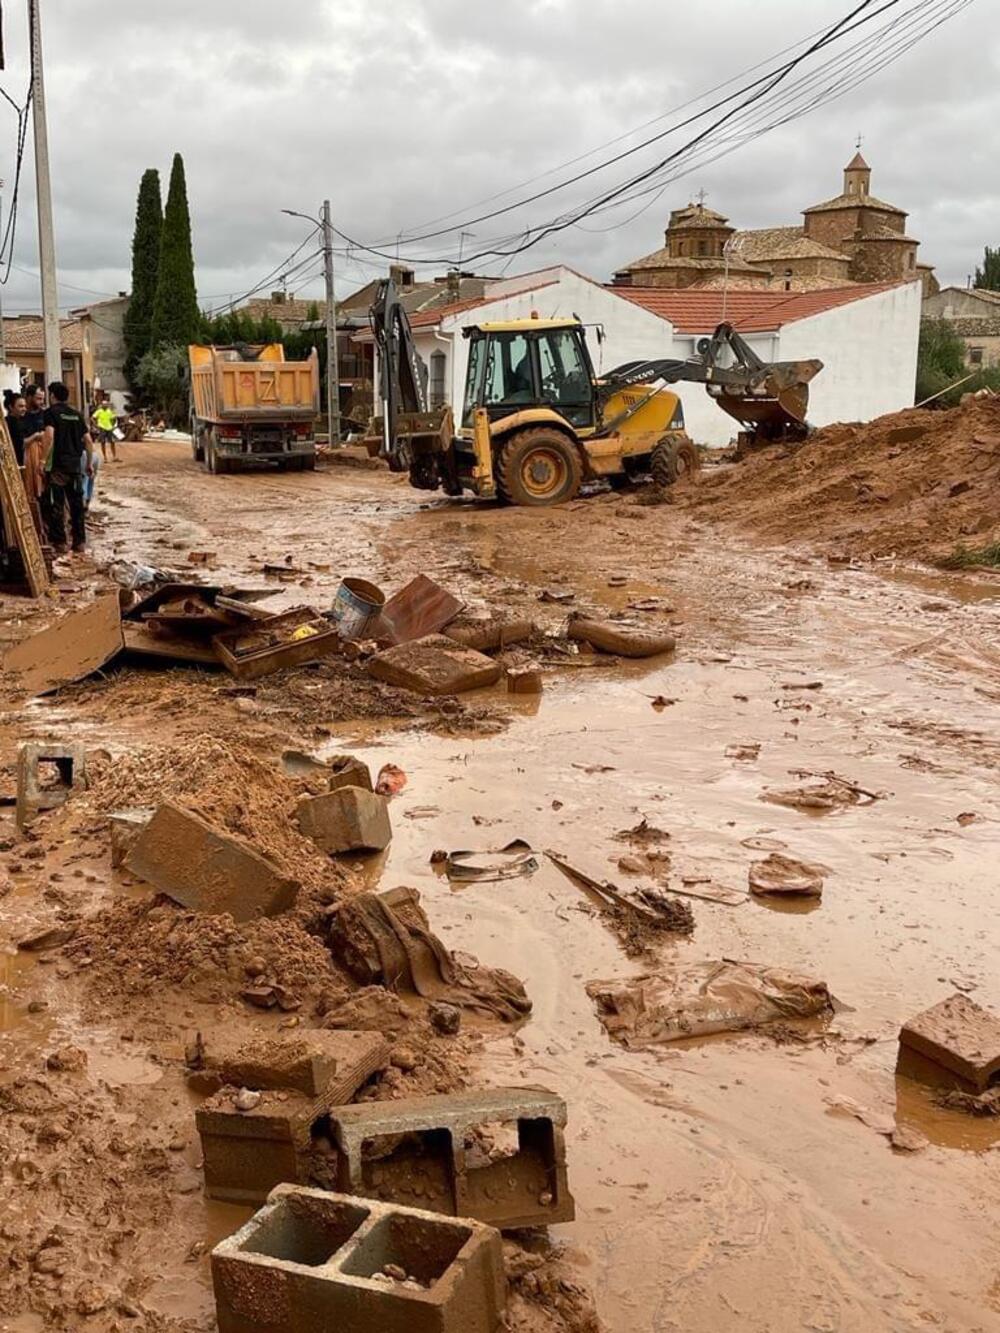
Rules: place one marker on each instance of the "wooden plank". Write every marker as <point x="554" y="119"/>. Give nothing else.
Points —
<point x="17" y="519"/>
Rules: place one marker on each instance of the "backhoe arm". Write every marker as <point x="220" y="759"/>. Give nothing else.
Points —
<point x="768" y="398"/>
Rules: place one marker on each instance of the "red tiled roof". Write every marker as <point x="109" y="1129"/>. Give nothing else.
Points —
<point x="427" y="317"/>
<point x="698" y="311"/>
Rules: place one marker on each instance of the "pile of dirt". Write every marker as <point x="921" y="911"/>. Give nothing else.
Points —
<point x="131" y="949"/>
<point x="916" y="483"/>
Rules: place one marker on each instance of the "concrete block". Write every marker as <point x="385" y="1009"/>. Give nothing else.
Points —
<point x="247" y="1153"/>
<point x="316" y="1062"/>
<point x="33" y="795"/>
<point x="126" y="825"/>
<point x="312" y="1262"/>
<point x="348" y="819"/>
<point x="435" y="665"/>
<point x="953" y="1044"/>
<point x="524" y="680"/>
<point x="347" y="771"/>
<point x="206" y="868"/>
<point x="495" y="1154"/>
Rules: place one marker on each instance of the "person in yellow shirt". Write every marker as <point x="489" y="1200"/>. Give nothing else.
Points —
<point x="105" y="420"/>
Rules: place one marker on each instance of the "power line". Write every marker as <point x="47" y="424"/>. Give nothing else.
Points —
<point x="751" y="94"/>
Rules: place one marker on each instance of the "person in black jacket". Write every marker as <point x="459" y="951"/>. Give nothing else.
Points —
<point x="69" y="454"/>
<point x="17" y="424"/>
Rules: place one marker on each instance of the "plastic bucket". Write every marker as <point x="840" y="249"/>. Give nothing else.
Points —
<point x="356" y="607"/>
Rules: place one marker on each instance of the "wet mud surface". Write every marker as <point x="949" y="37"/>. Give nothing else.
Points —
<point x="722" y="1183"/>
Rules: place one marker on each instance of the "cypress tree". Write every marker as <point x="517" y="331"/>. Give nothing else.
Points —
<point x="988" y="276"/>
<point x="145" y="266"/>
<point x="176" y="317"/>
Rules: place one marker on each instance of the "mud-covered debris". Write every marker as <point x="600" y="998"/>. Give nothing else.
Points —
<point x="829" y="792"/>
<point x="346" y="770"/>
<point x="435" y="665"/>
<point x="524" y="680"/>
<point x="346" y="819"/>
<point x="390" y="781"/>
<point x="660" y="701"/>
<point x="955" y="1043"/>
<point x="385" y="939"/>
<point x="972" y="1103"/>
<point x="206" y="868"/>
<point x="445" y="1018"/>
<point x="779" y="876"/>
<point x="52" y="938"/>
<point x="620" y="639"/>
<point x="556" y="595"/>
<point x="508" y="862"/>
<point x="704" y="999"/>
<point x="643" y="834"/>
<point x="746" y="751"/>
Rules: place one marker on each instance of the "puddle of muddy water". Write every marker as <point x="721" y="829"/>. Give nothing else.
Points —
<point x="690" y="1134"/>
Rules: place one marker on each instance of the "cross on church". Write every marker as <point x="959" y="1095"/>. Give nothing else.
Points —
<point x="861" y="139"/>
<point x="700" y="196"/>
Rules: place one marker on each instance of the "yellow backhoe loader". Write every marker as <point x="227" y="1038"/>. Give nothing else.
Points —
<point x="537" y="422"/>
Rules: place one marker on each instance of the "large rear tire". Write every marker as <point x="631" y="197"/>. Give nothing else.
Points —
<point x="673" y="458"/>
<point x="538" y="467"/>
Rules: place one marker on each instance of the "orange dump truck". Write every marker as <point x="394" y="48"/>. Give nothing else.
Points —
<point x="250" y="405"/>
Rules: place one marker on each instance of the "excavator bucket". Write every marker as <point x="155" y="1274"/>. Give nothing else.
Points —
<point x="773" y="406"/>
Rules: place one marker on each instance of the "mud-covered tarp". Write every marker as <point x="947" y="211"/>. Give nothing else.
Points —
<point x="705" y="998"/>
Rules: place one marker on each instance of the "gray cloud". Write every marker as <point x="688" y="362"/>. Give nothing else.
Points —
<point x="404" y="111"/>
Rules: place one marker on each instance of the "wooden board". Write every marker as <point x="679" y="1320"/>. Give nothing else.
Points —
<point x="17" y="519"/>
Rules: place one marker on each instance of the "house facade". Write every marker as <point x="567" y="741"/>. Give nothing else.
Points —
<point x="24" y="338"/>
<point x="974" y="314"/>
<point x="104" y="322"/>
<point x="865" y="335"/>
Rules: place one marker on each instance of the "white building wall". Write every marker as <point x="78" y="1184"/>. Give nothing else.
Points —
<point x="869" y="354"/>
<point x="868" y="346"/>
<point x="631" y="333"/>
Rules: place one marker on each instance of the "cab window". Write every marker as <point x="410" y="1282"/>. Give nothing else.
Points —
<point x="564" y="374"/>
<point x="508" y="371"/>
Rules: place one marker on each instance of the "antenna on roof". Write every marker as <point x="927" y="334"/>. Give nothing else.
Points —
<point x="733" y="246"/>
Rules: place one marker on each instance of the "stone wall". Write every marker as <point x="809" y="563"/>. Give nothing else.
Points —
<point x="881" y="260"/>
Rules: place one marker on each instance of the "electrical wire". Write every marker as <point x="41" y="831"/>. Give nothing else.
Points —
<point x="772" y="78"/>
<point x="682" y="159"/>
<point x="283" y="270"/>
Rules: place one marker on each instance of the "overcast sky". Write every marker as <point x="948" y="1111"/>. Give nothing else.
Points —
<point x="404" y="110"/>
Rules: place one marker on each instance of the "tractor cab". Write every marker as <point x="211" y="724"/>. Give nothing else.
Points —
<point x="530" y="363"/>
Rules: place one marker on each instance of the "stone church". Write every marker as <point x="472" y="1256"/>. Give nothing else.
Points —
<point x="852" y="238"/>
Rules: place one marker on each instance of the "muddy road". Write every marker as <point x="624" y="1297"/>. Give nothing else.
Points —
<point x="720" y="1184"/>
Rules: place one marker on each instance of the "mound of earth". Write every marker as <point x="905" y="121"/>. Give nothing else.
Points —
<point x="916" y="483"/>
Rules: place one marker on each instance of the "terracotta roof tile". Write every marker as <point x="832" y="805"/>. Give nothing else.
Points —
<point x="768" y="243"/>
<point x="855" y="201"/>
<point x="694" y="311"/>
<point x="664" y="259"/>
<point x="28" y="335"/>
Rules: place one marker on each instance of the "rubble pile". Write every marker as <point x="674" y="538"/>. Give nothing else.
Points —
<point x="914" y="483"/>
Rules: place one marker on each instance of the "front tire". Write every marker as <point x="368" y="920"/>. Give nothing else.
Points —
<point x="673" y="458"/>
<point x="538" y="467"/>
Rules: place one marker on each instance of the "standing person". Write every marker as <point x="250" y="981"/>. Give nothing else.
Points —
<point x="69" y="457"/>
<point x="17" y="424"/>
<point x="106" y="419"/>
<point x="34" y="397"/>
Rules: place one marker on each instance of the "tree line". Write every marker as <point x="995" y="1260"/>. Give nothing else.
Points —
<point x="164" y="317"/>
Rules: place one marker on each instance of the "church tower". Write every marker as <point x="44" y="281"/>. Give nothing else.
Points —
<point x="857" y="176"/>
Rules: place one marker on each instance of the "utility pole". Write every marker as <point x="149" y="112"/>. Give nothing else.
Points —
<point x="3" y="336"/>
<point x="43" y="189"/>
<point x="332" y="368"/>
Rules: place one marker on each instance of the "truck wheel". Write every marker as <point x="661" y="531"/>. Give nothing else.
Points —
<point x="673" y="457"/>
<point x="197" y="442"/>
<point x="209" y="452"/>
<point x="538" y="467"/>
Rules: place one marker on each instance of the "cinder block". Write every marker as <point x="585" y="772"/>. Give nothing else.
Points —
<point x="312" y="1262"/>
<point x="126" y="825"/>
<point x="347" y="771"/>
<point x="70" y="761"/>
<point x="247" y="1153"/>
<point x="206" y="868"/>
<point x="496" y="1154"/>
<point x="348" y="819"/>
<point x="955" y="1044"/>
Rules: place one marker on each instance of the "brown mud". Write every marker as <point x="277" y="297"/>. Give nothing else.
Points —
<point x="916" y="483"/>
<point x="720" y="1184"/>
